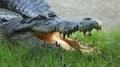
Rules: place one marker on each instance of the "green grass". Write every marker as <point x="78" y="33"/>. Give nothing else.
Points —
<point x="107" y="43"/>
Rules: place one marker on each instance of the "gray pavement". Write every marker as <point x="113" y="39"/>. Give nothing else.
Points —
<point x="108" y="11"/>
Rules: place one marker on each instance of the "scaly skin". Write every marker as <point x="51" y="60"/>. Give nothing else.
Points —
<point x="44" y="22"/>
<point x="62" y="26"/>
<point x="29" y="9"/>
<point x="52" y="23"/>
<point x="50" y="32"/>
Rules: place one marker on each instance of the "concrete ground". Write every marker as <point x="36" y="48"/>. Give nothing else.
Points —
<point x="108" y="11"/>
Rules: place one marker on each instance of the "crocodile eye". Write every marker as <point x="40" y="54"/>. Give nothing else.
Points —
<point x="87" y="18"/>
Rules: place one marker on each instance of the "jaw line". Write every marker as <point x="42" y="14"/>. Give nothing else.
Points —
<point x="66" y="43"/>
<point x="57" y="39"/>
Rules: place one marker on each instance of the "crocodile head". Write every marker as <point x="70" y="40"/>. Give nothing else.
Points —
<point x="53" y="30"/>
<point x="57" y="31"/>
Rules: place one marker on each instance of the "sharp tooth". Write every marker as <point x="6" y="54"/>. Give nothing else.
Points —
<point x="71" y="32"/>
<point x="68" y="35"/>
<point x="56" y="43"/>
<point x="60" y="33"/>
<point x="64" y="34"/>
<point x="76" y="28"/>
<point x="59" y="45"/>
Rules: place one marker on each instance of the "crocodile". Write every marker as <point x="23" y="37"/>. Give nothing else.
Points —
<point x="47" y="26"/>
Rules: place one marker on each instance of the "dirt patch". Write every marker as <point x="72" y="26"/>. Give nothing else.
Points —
<point x="108" y="11"/>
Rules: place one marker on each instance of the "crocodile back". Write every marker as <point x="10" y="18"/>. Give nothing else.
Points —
<point x="28" y="8"/>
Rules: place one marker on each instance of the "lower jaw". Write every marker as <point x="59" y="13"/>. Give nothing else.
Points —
<point x="66" y="43"/>
<point x="57" y="39"/>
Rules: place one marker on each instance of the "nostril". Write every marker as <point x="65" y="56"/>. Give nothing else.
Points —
<point x="87" y="18"/>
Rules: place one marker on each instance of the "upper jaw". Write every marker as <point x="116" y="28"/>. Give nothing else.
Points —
<point x="64" y="26"/>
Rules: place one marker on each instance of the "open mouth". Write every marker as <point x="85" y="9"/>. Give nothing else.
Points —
<point x="63" y="41"/>
<point x="45" y="30"/>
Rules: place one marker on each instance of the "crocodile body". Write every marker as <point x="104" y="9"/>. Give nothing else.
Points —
<point x="28" y="8"/>
<point x="46" y="23"/>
